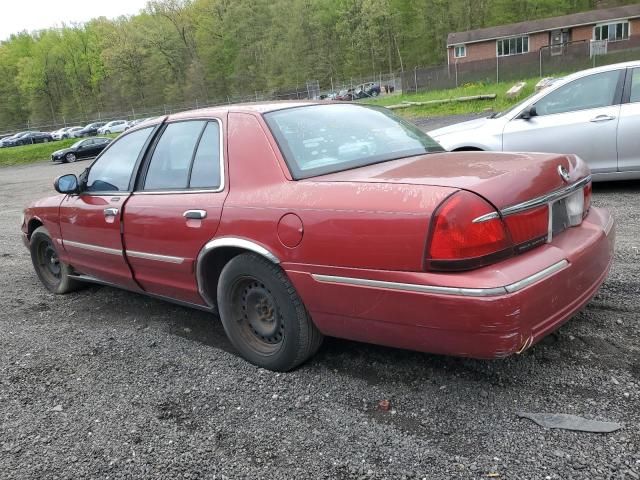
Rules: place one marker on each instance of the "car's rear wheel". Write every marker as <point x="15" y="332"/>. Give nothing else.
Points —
<point x="263" y="315"/>
<point x="70" y="157"/>
<point x="53" y="273"/>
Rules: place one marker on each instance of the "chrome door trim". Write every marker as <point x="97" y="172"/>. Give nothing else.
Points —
<point x="155" y="256"/>
<point x="93" y="248"/>
<point x="459" y="291"/>
<point x="233" y="242"/>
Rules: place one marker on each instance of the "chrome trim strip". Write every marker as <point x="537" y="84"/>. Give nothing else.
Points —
<point x="525" y="282"/>
<point x="221" y="242"/>
<point x="609" y="226"/>
<point x="465" y="292"/>
<point x="486" y="217"/>
<point x="411" y="287"/>
<point x="548" y="198"/>
<point x="155" y="256"/>
<point x="93" y="248"/>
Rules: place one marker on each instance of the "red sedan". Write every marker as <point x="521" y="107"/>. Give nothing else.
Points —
<point x="299" y="220"/>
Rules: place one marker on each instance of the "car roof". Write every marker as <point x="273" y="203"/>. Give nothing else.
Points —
<point x="257" y="107"/>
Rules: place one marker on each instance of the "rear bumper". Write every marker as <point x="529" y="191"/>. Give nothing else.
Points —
<point x="488" y="313"/>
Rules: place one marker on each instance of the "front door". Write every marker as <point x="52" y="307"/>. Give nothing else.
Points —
<point x="90" y="223"/>
<point x="629" y="126"/>
<point x="176" y="209"/>
<point x="580" y="117"/>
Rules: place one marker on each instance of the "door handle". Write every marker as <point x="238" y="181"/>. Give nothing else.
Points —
<point x="195" y="214"/>
<point x="602" y="118"/>
<point x="111" y="212"/>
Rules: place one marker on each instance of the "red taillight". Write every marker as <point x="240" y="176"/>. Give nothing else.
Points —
<point x="588" y="190"/>
<point x="461" y="239"/>
<point x="529" y="228"/>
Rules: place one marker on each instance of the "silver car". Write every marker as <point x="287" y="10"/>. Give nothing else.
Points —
<point x="594" y="114"/>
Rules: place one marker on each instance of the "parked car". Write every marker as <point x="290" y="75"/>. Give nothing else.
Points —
<point x="594" y="114"/>
<point x="341" y="220"/>
<point x="66" y="132"/>
<point x="367" y="90"/>
<point x="135" y="122"/>
<point x="345" y="95"/>
<point x="89" y="130"/>
<point x="28" y="138"/>
<point x="115" y="126"/>
<point x="89" y="147"/>
<point x="6" y="141"/>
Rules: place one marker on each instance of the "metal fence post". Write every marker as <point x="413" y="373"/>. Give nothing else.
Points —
<point x="497" y="69"/>
<point x="456" y="69"/>
<point x="415" y="77"/>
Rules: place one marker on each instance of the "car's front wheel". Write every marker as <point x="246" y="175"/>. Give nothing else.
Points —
<point x="70" y="158"/>
<point x="54" y="274"/>
<point x="263" y="315"/>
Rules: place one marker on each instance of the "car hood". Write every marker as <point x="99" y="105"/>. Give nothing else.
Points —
<point x="62" y="151"/>
<point x="461" y="127"/>
<point x="504" y="179"/>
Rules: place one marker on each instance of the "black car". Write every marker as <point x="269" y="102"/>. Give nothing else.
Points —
<point x="8" y="141"/>
<point x="89" y="147"/>
<point x="90" y="130"/>
<point x="28" y="138"/>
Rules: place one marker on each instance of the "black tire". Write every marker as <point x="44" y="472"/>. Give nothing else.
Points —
<point x="53" y="274"/>
<point x="263" y="315"/>
<point x="70" y="157"/>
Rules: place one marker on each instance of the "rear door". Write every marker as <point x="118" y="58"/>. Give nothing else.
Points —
<point x="91" y="222"/>
<point x="176" y="208"/>
<point x="580" y="117"/>
<point x="629" y="125"/>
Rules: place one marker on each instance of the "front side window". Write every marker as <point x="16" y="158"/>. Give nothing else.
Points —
<point x="612" y="32"/>
<point x="460" y="51"/>
<point x="187" y="156"/>
<point x="592" y="91"/>
<point x="512" y="46"/>
<point x="321" y="139"/>
<point x="112" y="171"/>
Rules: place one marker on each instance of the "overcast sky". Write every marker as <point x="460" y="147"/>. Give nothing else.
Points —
<point x="19" y="15"/>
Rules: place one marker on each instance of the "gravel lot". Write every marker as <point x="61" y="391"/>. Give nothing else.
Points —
<point x="107" y="384"/>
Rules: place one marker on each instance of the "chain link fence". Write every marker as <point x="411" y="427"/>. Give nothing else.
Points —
<point x="549" y="61"/>
<point x="312" y="90"/>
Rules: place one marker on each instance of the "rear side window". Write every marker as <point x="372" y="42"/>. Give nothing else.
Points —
<point x="186" y="156"/>
<point x="206" y="164"/>
<point x="635" y="85"/>
<point x="112" y="171"/>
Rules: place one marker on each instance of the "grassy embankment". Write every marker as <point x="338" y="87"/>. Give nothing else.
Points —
<point x="456" y="108"/>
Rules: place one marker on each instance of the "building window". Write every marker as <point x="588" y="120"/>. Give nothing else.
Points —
<point x="459" y="51"/>
<point x="513" y="46"/>
<point x="612" y="31"/>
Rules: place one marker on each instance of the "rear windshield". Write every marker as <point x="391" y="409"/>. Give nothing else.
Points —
<point x="320" y="139"/>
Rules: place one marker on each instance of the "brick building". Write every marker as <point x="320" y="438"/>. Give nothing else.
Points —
<point x="597" y="27"/>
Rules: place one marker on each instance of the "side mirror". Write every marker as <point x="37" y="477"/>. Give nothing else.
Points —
<point x="529" y="113"/>
<point x="66" y="184"/>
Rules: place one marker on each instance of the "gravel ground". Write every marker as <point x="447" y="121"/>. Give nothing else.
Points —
<point x="107" y="384"/>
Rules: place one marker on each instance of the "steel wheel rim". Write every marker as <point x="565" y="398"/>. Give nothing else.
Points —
<point x="71" y="157"/>
<point x="257" y="316"/>
<point x="48" y="262"/>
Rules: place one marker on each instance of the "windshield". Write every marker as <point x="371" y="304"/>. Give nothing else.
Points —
<point x="320" y="139"/>
<point x="77" y="144"/>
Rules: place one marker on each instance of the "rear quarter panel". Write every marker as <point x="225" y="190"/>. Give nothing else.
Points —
<point x="360" y="225"/>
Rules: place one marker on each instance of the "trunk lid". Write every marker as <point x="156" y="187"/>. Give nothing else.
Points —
<point x="504" y="179"/>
